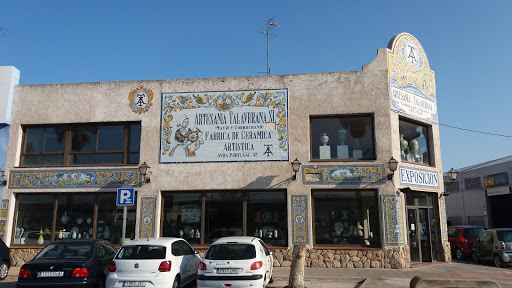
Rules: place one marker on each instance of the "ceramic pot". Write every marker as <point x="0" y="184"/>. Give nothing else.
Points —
<point x="65" y="218"/>
<point x="324" y="139"/>
<point x="342" y="135"/>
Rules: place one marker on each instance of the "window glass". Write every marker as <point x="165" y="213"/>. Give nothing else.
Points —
<point x="224" y="215"/>
<point x="346" y="137"/>
<point x="414" y="143"/>
<point x="416" y="199"/>
<point x="54" y="140"/>
<point x="84" y="139"/>
<point x="75" y="214"/>
<point x="453" y="232"/>
<point x="182" y="216"/>
<point x="110" y="219"/>
<point x="231" y="252"/>
<point x="34" y="139"/>
<point x="346" y="218"/>
<point x="110" y="138"/>
<point x="66" y="251"/>
<point x="472" y="232"/>
<point x="266" y="217"/>
<point x="34" y="219"/>
<point x="142" y="252"/>
<point x="185" y="248"/>
<point x="82" y="144"/>
<point x="89" y="159"/>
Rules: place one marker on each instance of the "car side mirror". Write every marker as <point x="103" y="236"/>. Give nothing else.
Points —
<point x="196" y="251"/>
<point x="272" y="252"/>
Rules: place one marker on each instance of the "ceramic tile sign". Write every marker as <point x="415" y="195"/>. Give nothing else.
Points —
<point x="147" y="214"/>
<point x="411" y="82"/>
<point x="299" y="219"/>
<point x="229" y="126"/>
<point x="394" y="220"/>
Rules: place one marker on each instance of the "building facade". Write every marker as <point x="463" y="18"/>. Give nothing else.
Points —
<point x="219" y="152"/>
<point x="481" y="195"/>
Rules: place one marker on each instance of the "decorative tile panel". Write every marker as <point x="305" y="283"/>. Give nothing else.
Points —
<point x="147" y="217"/>
<point x="299" y="219"/>
<point x="343" y="174"/>
<point x="444" y="225"/>
<point x="51" y="179"/>
<point x="394" y="220"/>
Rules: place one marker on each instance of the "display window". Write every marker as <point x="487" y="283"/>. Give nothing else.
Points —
<point x="203" y="217"/>
<point x="43" y="218"/>
<point x="346" y="218"/>
<point x="81" y="144"/>
<point x="414" y="142"/>
<point x="348" y="137"/>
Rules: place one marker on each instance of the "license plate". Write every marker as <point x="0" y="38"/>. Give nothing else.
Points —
<point x="134" y="284"/>
<point x="50" y="274"/>
<point x="227" y="270"/>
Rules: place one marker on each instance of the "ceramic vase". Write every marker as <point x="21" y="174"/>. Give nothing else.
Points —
<point x="40" y="240"/>
<point x="106" y="233"/>
<point x="65" y="218"/>
<point x="342" y="135"/>
<point x="413" y="147"/>
<point x="324" y="139"/>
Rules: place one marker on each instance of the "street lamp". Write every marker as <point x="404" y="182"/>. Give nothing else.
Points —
<point x="295" y="167"/>
<point x="3" y="182"/>
<point x="143" y="168"/>
<point x="393" y="165"/>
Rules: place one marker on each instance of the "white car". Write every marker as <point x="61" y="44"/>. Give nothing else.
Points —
<point x="238" y="261"/>
<point x="153" y="262"/>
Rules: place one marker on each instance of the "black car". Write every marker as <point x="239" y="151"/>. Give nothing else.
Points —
<point x="5" y="262"/>
<point x="69" y="263"/>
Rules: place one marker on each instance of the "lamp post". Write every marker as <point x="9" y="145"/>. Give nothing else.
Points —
<point x="393" y="165"/>
<point x="295" y="167"/>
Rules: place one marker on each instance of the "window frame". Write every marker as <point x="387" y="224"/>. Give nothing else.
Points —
<point x="67" y="152"/>
<point x="202" y="222"/>
<point x="358" y="197"/>
<point x="96" y="204"/>
<point x="428" y="140"/>
<point x="341" y="116"/>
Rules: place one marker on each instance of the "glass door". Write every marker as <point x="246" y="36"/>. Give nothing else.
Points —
<point x="414" y="240"/>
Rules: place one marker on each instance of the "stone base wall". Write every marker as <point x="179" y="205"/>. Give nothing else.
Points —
<point x="391" y="258"/>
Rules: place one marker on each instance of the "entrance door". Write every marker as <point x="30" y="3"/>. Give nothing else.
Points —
<point x="421" y="227"/>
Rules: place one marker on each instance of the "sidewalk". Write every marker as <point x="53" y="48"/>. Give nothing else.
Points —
<point x="375" y="278"/>
<point x="372" y="278"/>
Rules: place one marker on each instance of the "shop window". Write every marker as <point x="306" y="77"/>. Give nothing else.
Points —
<point x="224" y="214"/>
<point x="346" y="218"/>
<point x="34" y="220"/>
<point x="182" y="216"/>
<point x="342" y="137"/>
<point x="74" y="218"/>
<point x="81" y="144"/>
<point x="266" y="217"/>
<point x="414" y="142"/>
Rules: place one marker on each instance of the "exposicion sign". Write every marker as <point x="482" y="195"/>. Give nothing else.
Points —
<point x="418" y="177"/>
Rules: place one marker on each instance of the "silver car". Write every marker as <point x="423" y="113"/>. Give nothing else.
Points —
<point x="494" y="245"/>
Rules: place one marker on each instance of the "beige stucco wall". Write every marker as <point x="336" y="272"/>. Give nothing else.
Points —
<point x="336" y="93"/>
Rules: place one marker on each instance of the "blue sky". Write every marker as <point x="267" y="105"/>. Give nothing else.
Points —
<point x="467" y="43"/>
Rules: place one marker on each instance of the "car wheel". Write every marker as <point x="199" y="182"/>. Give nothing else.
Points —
<point x="475" y="258"/>
<point x="176" y="283"/>
<point x="4" y="270"/>
<point x="271" y="279"/>
<point x="498" y="262"/>
<point x="458" y="253"/>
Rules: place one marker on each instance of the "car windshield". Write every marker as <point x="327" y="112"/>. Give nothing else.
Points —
<point x="472" y="232"/>
<point x="66" y="251"/>
<point x="231" y="252"/>
<point x="505" y="236"/>
<point x="142" y="252"/>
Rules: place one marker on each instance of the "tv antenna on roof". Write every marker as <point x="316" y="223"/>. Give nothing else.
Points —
<point x="270" y="25"/>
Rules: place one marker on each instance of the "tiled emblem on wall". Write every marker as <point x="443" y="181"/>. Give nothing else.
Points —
<point x="299" y="219"/>
<point x="444" y="225"/>
<point x="394" y="220"/>
<point x="147" y="216"/>
<point x="51" y="179"/>
<point x="140" y="99"/>
<point x="343" y="174"/>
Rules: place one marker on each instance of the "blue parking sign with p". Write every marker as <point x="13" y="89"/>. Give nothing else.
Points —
<point x="125" y="196"/>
